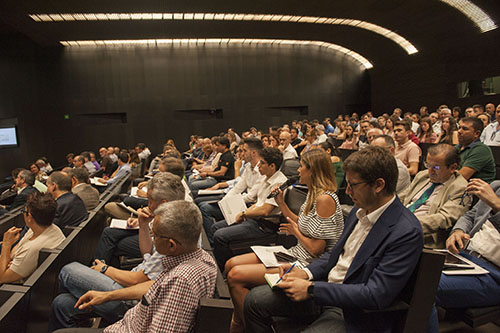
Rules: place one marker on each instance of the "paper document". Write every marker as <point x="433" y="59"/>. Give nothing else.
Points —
<point x="266" y="254"/>
<point x="94" y="181"/>
<point x="133" y="191"/>
<point x="211" y="192"/>
<point x="121" y="224"/>
<point x="232" y="206"/>
<point x="130" y="209"/>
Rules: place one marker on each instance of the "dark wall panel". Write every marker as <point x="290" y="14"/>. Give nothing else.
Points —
<point x="150" y="86"/>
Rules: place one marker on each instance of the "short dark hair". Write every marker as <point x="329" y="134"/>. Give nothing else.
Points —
<point x="141" y="145"/>
<point x="70" y="155"/>
<point x="403" y="123"/>
<point x="62" y="180"/>
<point x="15" y="172"/>
<point x="79" y="158"/>
<point x="223" y="141"/>
<point x="477" y="124"/>
<point x="451" y="152"/>
<point x="86" y="155"/>
<point x="81" y="174"/>
<point x="372" y="163"/>
<point x="294" y="129"/>
<point x="123" y="156"/>
<point x="254" y="143"/>
<point x="174" y="165"/>
<point x="42" y="208"/>
<point x="272" y="156"/>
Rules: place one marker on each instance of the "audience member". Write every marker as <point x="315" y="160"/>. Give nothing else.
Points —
<point x="485" y="118"/>
<point x="249" y="183"/>
<point x="91" y="168"/>
<point x="367" y="268"/>
<point x="70" y="210"/>
<point x="170" y="303"/>
<point x="39" y="174"/>
<point x="436" y="123"/>
<point x="489" y="135"/>
<point x="317" y="228"/>
<point x="224" y="170"/>
<point x="490" y="110"/>
<point x="427" y="134"/>
<point x="252" y="223"/>
<point x="142" y="151"/>
<point x="336" y="162"/>
<point x="23" y="182"/>
<point x="112" y="155"/>
<point x="449" y="132"/>
<point x="123" y="170"/>
<point x="476" y="159"/>
<point x="69" y="158"/>
<point x="476" y="235"/>
<point x="407" y="151"/>
<point x="351" y="139"/>
<point x="18" y="262"/>
<point x="386" y="142"/>
<point x="113" y="243"/>
<point x="106" y="161"/>
<point x="81" y="187"/>
<point x="435" y="195"/>
<point x="286" y="147"/>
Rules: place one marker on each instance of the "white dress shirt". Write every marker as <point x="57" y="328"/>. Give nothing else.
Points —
<point x="250" y="181"/>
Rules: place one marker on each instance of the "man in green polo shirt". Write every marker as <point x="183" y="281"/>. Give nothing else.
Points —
<point x="476" y="159"/>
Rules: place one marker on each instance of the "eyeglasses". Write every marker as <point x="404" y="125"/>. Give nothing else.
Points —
<point x="352" y="185"/>
<point x="433" y="167"/>
<point x="152" y="234"/>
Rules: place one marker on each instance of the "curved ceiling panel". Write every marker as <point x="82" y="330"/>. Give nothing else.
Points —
<point x="396" y="38"/>
<point x="365" y="63"/>
<point x="474" y="13"/>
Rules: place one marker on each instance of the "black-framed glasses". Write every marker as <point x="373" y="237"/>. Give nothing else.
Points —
<point x="152" y="234"/>
<point x="349" y="184"/>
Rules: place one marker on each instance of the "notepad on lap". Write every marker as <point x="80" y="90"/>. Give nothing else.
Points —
<point x="120" y="224"/>
<point x="231" y="206"/>
<point x="272" y="279"/>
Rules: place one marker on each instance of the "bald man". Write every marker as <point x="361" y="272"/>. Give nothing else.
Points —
<point x="285" y="146"/>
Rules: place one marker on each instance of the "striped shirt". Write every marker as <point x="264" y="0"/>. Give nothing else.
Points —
<point x="314" y="226"/>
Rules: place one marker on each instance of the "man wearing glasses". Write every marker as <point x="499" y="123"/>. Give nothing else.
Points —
<point x="435" y="195"/>
<point x="170" y="303"/>
<point x="367" y="268"/>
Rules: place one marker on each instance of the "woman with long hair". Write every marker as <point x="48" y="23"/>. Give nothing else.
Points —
<point x="449" y="133"/>
<point x="336" y="161"/>
<point x="427" y="134"/>
<point x="39" y="174"/>
<point x="317" y="228"/>
<point x="351" y="139"/>
<point x="341" y="134"/>
<point x="274" y="141"/>
<point x="389" y="126"/>
<point x="265" y="140"/>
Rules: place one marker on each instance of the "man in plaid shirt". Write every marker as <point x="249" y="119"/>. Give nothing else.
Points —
<point x="168" y="304"/>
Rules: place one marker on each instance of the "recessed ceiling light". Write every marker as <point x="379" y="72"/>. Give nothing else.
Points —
<point x="402" y="42"/>
<point x="365" y="63"/>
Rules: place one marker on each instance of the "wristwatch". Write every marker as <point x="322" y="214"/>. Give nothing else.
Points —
<point x="243" y="214"/>
<point x="310" y="290"/>
<point x="104" y="269"/>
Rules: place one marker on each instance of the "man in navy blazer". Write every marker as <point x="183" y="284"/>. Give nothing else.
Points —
<point x="70" y="210"/>
<point x="366" y="270"/>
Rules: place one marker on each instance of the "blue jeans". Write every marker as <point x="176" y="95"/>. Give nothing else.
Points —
<point x="210" y="213"/>
<point x="201" y="183"/>
<point x="468" y="291"/>
<point x="245" y="231"/>
<point x="117" y="242"/>
<point x="262" y="303"/>
<point x="75" y="280"/>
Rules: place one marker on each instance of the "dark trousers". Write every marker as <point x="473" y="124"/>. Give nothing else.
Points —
<point x="118" y="242"/>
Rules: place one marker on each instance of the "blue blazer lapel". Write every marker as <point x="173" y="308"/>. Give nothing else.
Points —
<point x="376" y="236"/>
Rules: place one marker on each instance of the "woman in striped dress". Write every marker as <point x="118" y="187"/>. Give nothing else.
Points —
<point x="317" y="229"/>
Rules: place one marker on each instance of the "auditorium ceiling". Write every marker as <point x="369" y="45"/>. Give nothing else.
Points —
<point x="379" y="30"/>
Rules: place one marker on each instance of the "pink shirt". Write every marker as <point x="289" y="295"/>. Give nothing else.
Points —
<point x="408" y="153"/>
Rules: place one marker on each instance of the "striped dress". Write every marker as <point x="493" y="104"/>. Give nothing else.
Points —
<point x="314" y="226"/>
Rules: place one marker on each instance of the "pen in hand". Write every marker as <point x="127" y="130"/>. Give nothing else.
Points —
<point x="285" y="273"/>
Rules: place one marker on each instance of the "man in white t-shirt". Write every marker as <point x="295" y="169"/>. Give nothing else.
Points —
<point x="18" y="262"/>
